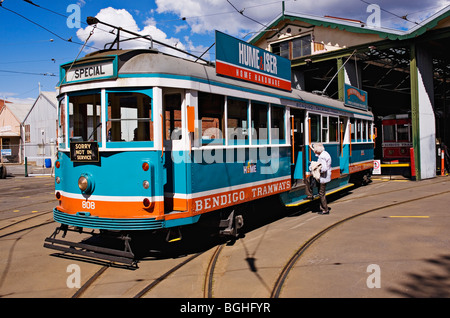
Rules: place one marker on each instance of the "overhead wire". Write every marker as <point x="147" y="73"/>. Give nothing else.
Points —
<point x="28" y="73"/>
<point x="242" y="13"/>
<point x="46" y="29"/>
<point x="84" y="23"/>
<point x="404" y="17"/>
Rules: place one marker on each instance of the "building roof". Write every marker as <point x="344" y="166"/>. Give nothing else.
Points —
<point x="49" y="96"/>
<point x="19" y="111"/>
<point x="358" y="26"/>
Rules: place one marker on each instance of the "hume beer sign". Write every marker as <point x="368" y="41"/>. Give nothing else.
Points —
<point x="238" y="59"/>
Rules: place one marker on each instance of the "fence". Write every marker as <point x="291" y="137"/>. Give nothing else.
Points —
<point x="40" y="155"/>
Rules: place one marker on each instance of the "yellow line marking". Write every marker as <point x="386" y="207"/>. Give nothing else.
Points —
<point x="34" y="211"/>
<point x="394" y="165"/>
<point x="16" y="211"/>
<point x="410" y="216"/>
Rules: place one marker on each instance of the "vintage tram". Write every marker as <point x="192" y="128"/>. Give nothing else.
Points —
<point x="151" y="142"/>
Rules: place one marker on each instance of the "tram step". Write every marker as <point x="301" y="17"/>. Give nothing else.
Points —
<point x="302" y="201"/>
<point x="97" y="252"/>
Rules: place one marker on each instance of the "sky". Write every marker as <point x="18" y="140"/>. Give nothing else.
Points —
<point x="37" y="36"/>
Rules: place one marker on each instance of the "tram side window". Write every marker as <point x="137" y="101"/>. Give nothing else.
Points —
<point x="358" y="130"/>
<point x="85" y="118"/>
<point x="277" y="130"/>
<point x="260" y="134"/>
<point x="364" y="130"/>
<point x="211" y="113"/>
<point x="353" y="129"/>
<point x="129" y="117"/>
<point x="389" y="133"/>
<point x="172" y="116"/>
<point x="237" y="122"/>
<point x="403" y="132"/>
<point x="324" y="128"/>
<point x="62" y="123"/>
<point x="334" y="129"/>
<point x="315" y="127"/>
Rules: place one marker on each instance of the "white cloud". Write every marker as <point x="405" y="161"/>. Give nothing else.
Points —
<point x="10" y="98"/>
<point x="205" y="16"/>
<point x="179" y="28"/>
<point x="122" y="18"/>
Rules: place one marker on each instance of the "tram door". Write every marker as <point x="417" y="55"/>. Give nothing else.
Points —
<point x="298" y="144"/>
<point x="345" y="144"/>
<point x="174" y="148"/>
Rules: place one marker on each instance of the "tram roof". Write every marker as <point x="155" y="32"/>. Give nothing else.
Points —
<point x="143" y="63"/>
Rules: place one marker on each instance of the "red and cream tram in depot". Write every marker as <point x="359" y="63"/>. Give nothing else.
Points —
<point x="396" y="138"/>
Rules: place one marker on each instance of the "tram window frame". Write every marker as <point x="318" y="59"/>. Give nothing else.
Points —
<point x="259" y="123"/>
<point x="333" y="129"/>
<point x="173" y="127"/>
<point x="277" y="124"/>
<point x="85" y="119"/>
<point x="62" y="123"/>
<point x="364" y="131"/>
<point x="358" y="130"/>
<point x="211" y="116"/>
<point x="324" y="128"/>
<point x="237" y="121"/>
<point x="144" y="125"/>
<point x="317" y="130"/>
<point x="403" y="129"/>
<point x="389" y="133"/>
<point x="352" y="129"/>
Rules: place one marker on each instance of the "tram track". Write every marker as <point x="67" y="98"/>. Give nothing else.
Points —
<point x="150" y="286"/>
<point x="211" y="261"/>
<point x="19" y="207"/>
<point x="26" y="228"/>
<point x="282" y="277"/>
<point x="381" y="193"/>
<point x="208" y="279"/>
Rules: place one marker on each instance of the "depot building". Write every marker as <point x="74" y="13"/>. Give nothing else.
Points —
<point x="405" y="74"/>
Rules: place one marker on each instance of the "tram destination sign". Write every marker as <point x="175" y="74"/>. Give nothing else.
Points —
<point x="103" y="69"/>
<point x="355" y="97"/>
<point x="84" y="151"/>
<point x="238" y="59"/>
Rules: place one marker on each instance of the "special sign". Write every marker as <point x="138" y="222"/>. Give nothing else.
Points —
<point x="238" y="59"/>
<point x="84" y="151"/>
<point x="86" y="72"/>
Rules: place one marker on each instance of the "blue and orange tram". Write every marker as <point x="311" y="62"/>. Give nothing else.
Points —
<point x="149" y="141"/>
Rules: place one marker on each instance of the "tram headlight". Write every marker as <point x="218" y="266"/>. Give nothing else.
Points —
<point x="86" y="183"/>
<point x="146" y="184"/>
<point x="83" y="183"/>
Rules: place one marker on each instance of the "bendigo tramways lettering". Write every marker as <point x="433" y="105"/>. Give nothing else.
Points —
<point x="235" y="197"/>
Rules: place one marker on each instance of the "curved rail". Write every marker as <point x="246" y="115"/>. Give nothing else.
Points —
<point x="207" y="290"/>
<point x="292" y="261"/>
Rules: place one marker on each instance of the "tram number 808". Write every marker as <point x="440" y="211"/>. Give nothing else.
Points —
<point x="88" y="205"/>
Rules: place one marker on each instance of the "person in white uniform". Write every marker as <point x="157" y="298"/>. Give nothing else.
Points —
<point x="321" y="171"/>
